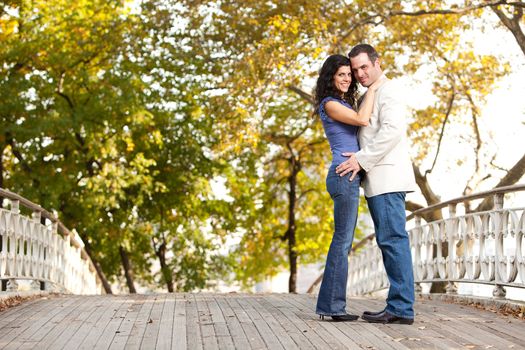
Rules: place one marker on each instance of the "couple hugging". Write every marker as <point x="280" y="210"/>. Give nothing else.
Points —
<point x="368" y="146"/>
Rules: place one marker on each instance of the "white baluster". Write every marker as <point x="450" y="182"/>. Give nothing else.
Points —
<point x="499" y="291"/>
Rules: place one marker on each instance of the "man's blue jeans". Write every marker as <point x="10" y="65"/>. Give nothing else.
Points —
<point x="345" y="194"/>
<point x="388" y="213"/>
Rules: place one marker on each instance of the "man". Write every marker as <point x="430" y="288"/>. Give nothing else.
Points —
<point x="389" y="175"/>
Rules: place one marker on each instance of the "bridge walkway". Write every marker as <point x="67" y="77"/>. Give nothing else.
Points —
<point x="243" y="321"/>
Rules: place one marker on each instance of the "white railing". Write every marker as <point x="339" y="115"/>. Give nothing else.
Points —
<point x="485" y="247"/>
<point x="49" y="255"/>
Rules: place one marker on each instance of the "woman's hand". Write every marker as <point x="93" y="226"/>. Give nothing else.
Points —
<point x="377" y="84"/>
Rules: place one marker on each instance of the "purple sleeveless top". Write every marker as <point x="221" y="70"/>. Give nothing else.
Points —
<point x="342" y="137"/>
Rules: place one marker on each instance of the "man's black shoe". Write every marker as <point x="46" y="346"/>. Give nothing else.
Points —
<point x="374" y="313"/>
<point x="342" y="318"/>
<point x="386" y="317"/>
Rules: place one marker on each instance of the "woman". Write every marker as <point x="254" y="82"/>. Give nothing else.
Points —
<point x="335" y="98"/>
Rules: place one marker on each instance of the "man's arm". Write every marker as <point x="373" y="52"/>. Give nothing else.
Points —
<point x="392" y="115"/>
<point x="392" y="118"/>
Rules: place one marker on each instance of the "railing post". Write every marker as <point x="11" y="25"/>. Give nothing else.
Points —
<point x="12" y="285"/>
<point x="499" y="291"/>
<point x="417" y="253"/>
<point x="451" y="287"/>
<point x="36" y="284"/>
<point x="15" y="206"/>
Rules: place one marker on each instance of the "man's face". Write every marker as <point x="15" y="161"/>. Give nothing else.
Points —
<point x="366" y="71"/>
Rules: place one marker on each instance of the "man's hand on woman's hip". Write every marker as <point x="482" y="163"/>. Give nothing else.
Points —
<point x="349" y="165"/>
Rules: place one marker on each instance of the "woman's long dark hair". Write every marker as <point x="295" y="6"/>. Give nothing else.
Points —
<point x="325" y="83"/>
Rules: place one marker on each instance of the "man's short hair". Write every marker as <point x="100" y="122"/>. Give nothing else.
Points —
<point x="368" y="49"/>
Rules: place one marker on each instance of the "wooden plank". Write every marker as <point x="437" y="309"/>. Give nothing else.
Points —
<point x="74" y="325"/>
<point x="166" y="323"/>
<point x="286" y="341"/>
<point x="107" y="318"/>
<point x="472" y="333"/>
<point x="21" y="311"/>
<point x="333" y="337"/>
<point x="30" y="338"/>
<point x="209" y="340"/>
<point x="30" y="325"/>
<point x="269" y="338"/>
<point x="139" y="325"/>
<point x="193" y="328"/>
<point x="507" y="326"/>
<point x="100" y="305"/>
<point x="354" y="330"/>
<point x="437" y="337"/>
<point x="327" y="330"/>
<point x="235" y="329"/>
<point x="151" y="333"/>
<point x="315" y="329"/>
<point x="222" y="332"/>
<point x="179" y="339"/>
<point x="46" y="339"/>
<point x="105" y="339"/>
<point x="252" y="335"/>
<point x="414" y="336"/>
<point x="124" y="331"/>
<point x="302" y="334"/>
<point x="17" y="317"/>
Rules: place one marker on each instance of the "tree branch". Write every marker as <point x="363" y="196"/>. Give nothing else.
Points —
<point x="475" y="114"/>
<point x="305" y="96"/>
<point x="376" y="19"/>
<point x="513" y="176"/>
<point x="59" y="91"/>
<point x="412" y="206"/>
<point x="447" y="115"/>
<point x="304" y="193"/>
<point x="513" y="24"/>
<point x="457" y="11"/>
<point x="14" y="149"/>
<point x="424" y="186"/>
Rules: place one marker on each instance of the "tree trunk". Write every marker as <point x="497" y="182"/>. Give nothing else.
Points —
<point x="126" y="264"/>
<point x="292" y="254"/>
<point x="426" y="191"/>
<point x="1" y="170"/>
<point x="101" y="275"/>
<point x="167" y="275"/>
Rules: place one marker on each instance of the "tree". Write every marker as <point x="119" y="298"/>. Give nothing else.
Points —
<point x="88" y="128"/>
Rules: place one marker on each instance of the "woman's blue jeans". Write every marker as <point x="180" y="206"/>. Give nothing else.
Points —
<point x="345" y="195"/>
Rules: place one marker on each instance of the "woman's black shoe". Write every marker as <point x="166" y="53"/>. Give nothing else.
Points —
<point x="341" y="318"/>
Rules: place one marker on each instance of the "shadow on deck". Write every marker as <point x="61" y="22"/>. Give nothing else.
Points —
<point x="243" y="321"/>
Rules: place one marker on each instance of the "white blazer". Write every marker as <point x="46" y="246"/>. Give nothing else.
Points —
<point x="384" y="148"/>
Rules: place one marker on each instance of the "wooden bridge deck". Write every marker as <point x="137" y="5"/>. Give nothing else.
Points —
<point x="242" y="321"/>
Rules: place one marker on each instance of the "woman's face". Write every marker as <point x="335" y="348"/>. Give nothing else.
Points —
<point x="343" y="78"/>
